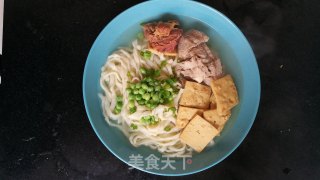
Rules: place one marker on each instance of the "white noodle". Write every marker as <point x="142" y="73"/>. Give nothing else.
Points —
<point x="114" y="80"/>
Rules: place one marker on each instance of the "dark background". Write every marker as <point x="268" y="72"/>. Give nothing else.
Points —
<point x="44" y="130"/>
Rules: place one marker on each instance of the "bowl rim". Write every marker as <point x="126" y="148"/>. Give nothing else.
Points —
<point x="212" y="10"/>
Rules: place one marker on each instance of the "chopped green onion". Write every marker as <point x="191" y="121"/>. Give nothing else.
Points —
<point x="141" y="102"/>
<point x="150" y="72"/>
<point x="138" y="85"/>
<point x="145" y="54"/>
<point x="151" y="83"/>
<point x="170" y="89"/>
<point x="167" y="128"/>
<point x="143" y="71"/>
<point x="133" y="110"/>
<point x="119" y="98"/>
<point x="133" y="126"/>
<point x="170" y="81"/>
<point x="138" y="97"/>
<point x="129" y="74"/>
<point x="175" y="90"/>
<point x="144" y="86"/>
<point x="155" y="97"/>
<point x="131" y="103"/>
<point x="117" y="111"/>
<point x="166" y="86"/>
<point x="149" y="120"/>
<point x="170" y="102"/>
<point x="163" y="64"/>
<point x="157" y="73"/>
<point x="148" y="79"/>
<point x="167" y="94"/>
<point x="152" y="106"/>
<point x="142" y="91"/>
<point x="155" y="121"/>
<point x="136" y="91"/>
<point x="150" y="89"/>
<point x="148" y="105"/>
<point x="129" y="90"/>
<point x="131" y="97"/>
<point x="173" y="109"/>
<point x="157" y="88"/>
<point x="146" y="96"/>
<point x="119" y="105"/>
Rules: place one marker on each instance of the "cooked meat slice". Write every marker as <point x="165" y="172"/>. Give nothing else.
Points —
<point x="148" y="30"/>
<point x="216" y="69"/>
<point x="198" y="62"/>
<point x="201" y="51"/>
<point x="190" y="40"/>
<point x="195" y="69"/>
<point x="168" y="43"/>
<point x="162" y="36"/>
<point x="192" y="69"/>
<point x="198" y="51"/>
<point x="197" y="37"/>
<point x="164" y="28"/>
<point x="208" y="52"/>
<point x="195" y="73"/>
<point x="184" y="47"/>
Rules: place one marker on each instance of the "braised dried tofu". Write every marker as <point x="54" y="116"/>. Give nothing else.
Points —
<point x="185" y="114"/>
<point x="196" y="95"/>
<point x="215" y="119"/>
<point x="198" y="133"/>
<point x="225" y="93"/>
<point x="213" y="103"/>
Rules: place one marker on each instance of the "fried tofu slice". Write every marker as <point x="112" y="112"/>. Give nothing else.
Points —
<point x="215" y="119"/>
<point x="225" y="93"/>
<point x="185" y="114"/>
<point x="196" y="95"/>
<point x="198" y="133"/>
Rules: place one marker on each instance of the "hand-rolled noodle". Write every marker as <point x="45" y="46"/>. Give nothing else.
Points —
<point x="114" y="80"/>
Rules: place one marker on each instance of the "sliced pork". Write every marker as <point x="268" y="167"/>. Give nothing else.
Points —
<point x="195" y="69"/>
<point x="197" y="60"/>
<point x="190" y="40"/>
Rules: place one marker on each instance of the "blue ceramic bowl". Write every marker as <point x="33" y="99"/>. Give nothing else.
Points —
<point x="225" y="38"/>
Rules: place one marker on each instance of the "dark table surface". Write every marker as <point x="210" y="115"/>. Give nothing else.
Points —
<point x="44" y="130"/>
